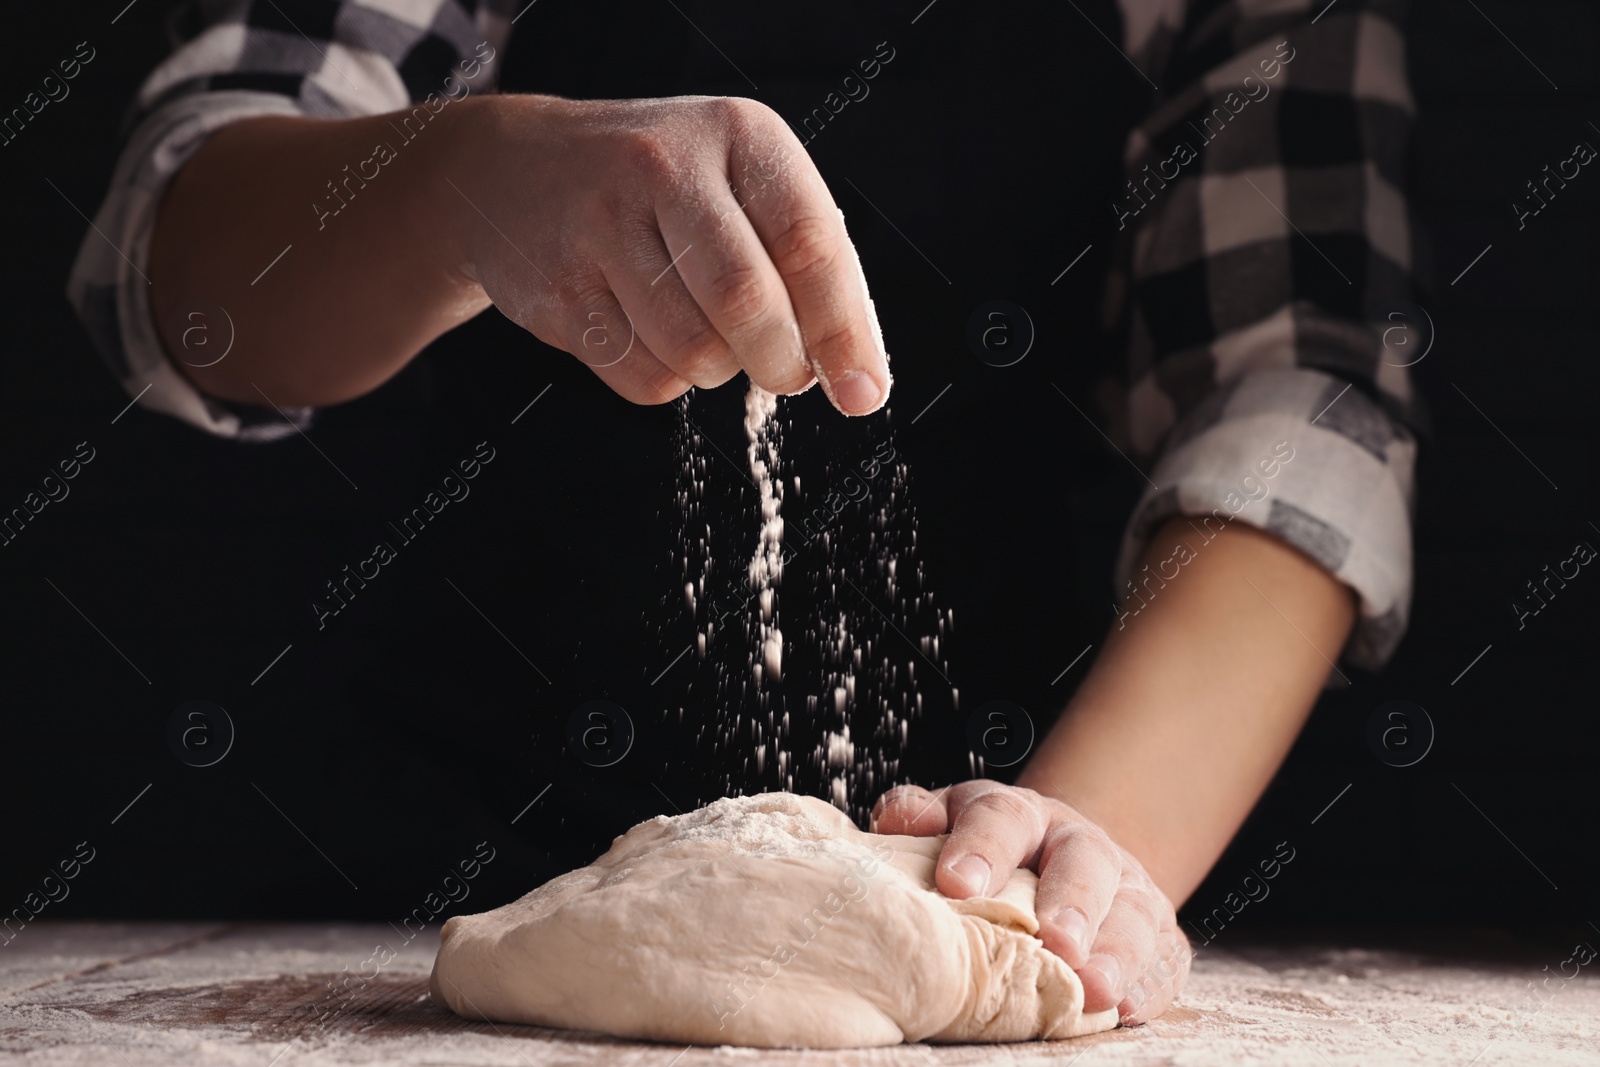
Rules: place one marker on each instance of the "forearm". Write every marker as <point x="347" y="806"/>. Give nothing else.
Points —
<point x="357" y="294"/>
<point x="1195" y="700"/>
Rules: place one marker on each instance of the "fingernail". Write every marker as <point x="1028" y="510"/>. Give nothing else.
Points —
<point x="1073" y="923"/>
<point x="973" y="873"/>
<point x="1108" y="967"/>
<point x="856" y="393"/>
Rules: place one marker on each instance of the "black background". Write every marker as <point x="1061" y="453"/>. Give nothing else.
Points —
<point x="409" y="729"/>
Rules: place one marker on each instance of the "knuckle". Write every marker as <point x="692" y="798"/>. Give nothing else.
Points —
<point x="588" y="297"/>
<point x="845" y="338"/>
<point x="740" y="297"/>
<point x="588" y="305"/>
<point x="808" y="246"/>
<point x="748" y="119"/>
<point x="1143" y="906"/>
<point x="1133" y="879"/>
<point x="660" y="387"/>
<point x="1056" y="837"/>
<point x="702" y="355"/>
<point x="1088" y="841"/>
<point x="1033" y="795"/>
<point x="597" y="210"/>
<point x="1006" y="804"/>
<point x="646" y="152"/>
<point x="646" y="385"/>
<point x="898" y="792"/>
<point x="901" y="795"/>
<point x="1100" y="840"/>
<point x="741" y="111"/>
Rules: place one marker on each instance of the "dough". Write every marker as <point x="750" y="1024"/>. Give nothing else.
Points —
<point x="768" y="921"/>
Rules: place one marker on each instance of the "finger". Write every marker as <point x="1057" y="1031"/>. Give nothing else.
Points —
<point x="992" y="833"/>
<point x="1123" y="947"/>
<point x="803" y="232"/>
<point x="1079" y="872"/>
<point x="911" y="810"/>
<point x="602" y="336"/>
<point x="647" y="283"/>
<point x="723" y="268"/>
<point x="1168" y="974"/>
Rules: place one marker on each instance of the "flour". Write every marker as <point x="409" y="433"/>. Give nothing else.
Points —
<point x="766" y="565"/>
<point x="761" y="827"/>
<point x="815" y="651"/>
<point x="874" y="672"/>
<point x="215" y="996"/>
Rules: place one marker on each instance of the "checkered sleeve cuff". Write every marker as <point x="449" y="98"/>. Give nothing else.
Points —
<point x="239" y="59"/>
<point x="1311" y="459"/>
<point x="110" y="287"/>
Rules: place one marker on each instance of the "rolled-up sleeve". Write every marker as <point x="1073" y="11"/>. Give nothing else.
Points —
<point x="236" y="59"/>
<point x="1264" y="237"/>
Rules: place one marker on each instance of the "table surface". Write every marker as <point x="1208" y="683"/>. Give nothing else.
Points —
<point x="256" y="994"/>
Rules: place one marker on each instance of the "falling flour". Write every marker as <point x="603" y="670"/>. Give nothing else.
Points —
<point x="766" y="565"/>
<point x="817" y="696"/>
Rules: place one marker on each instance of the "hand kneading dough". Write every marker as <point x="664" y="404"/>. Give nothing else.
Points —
<point x="768" y="921"/>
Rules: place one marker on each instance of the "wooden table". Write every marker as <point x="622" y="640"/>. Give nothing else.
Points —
<point x="255" y="994"/>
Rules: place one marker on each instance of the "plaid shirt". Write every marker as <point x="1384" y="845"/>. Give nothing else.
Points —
<point x="1263" y="228"/>
<point x="1266" y="231"/>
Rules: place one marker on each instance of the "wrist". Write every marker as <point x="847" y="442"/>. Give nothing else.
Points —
<point x="482" y="134"/>
<point x="452" y="184"/>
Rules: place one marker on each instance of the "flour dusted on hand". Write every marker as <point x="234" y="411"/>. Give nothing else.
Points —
<point x="766" y="921"/>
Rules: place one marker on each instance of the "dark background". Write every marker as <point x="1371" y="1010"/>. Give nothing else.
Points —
<point x="409" y="729"/>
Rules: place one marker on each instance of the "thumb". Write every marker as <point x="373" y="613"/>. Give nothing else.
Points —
<point x="910" y="810"/>
<point x="995" y="832"/>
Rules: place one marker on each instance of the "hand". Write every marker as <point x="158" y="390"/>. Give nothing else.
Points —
<point x="692" y="233"/>
<point x="1098" y="909"/>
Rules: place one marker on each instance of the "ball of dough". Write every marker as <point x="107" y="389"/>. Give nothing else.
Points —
<point x="768" y="921"/>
